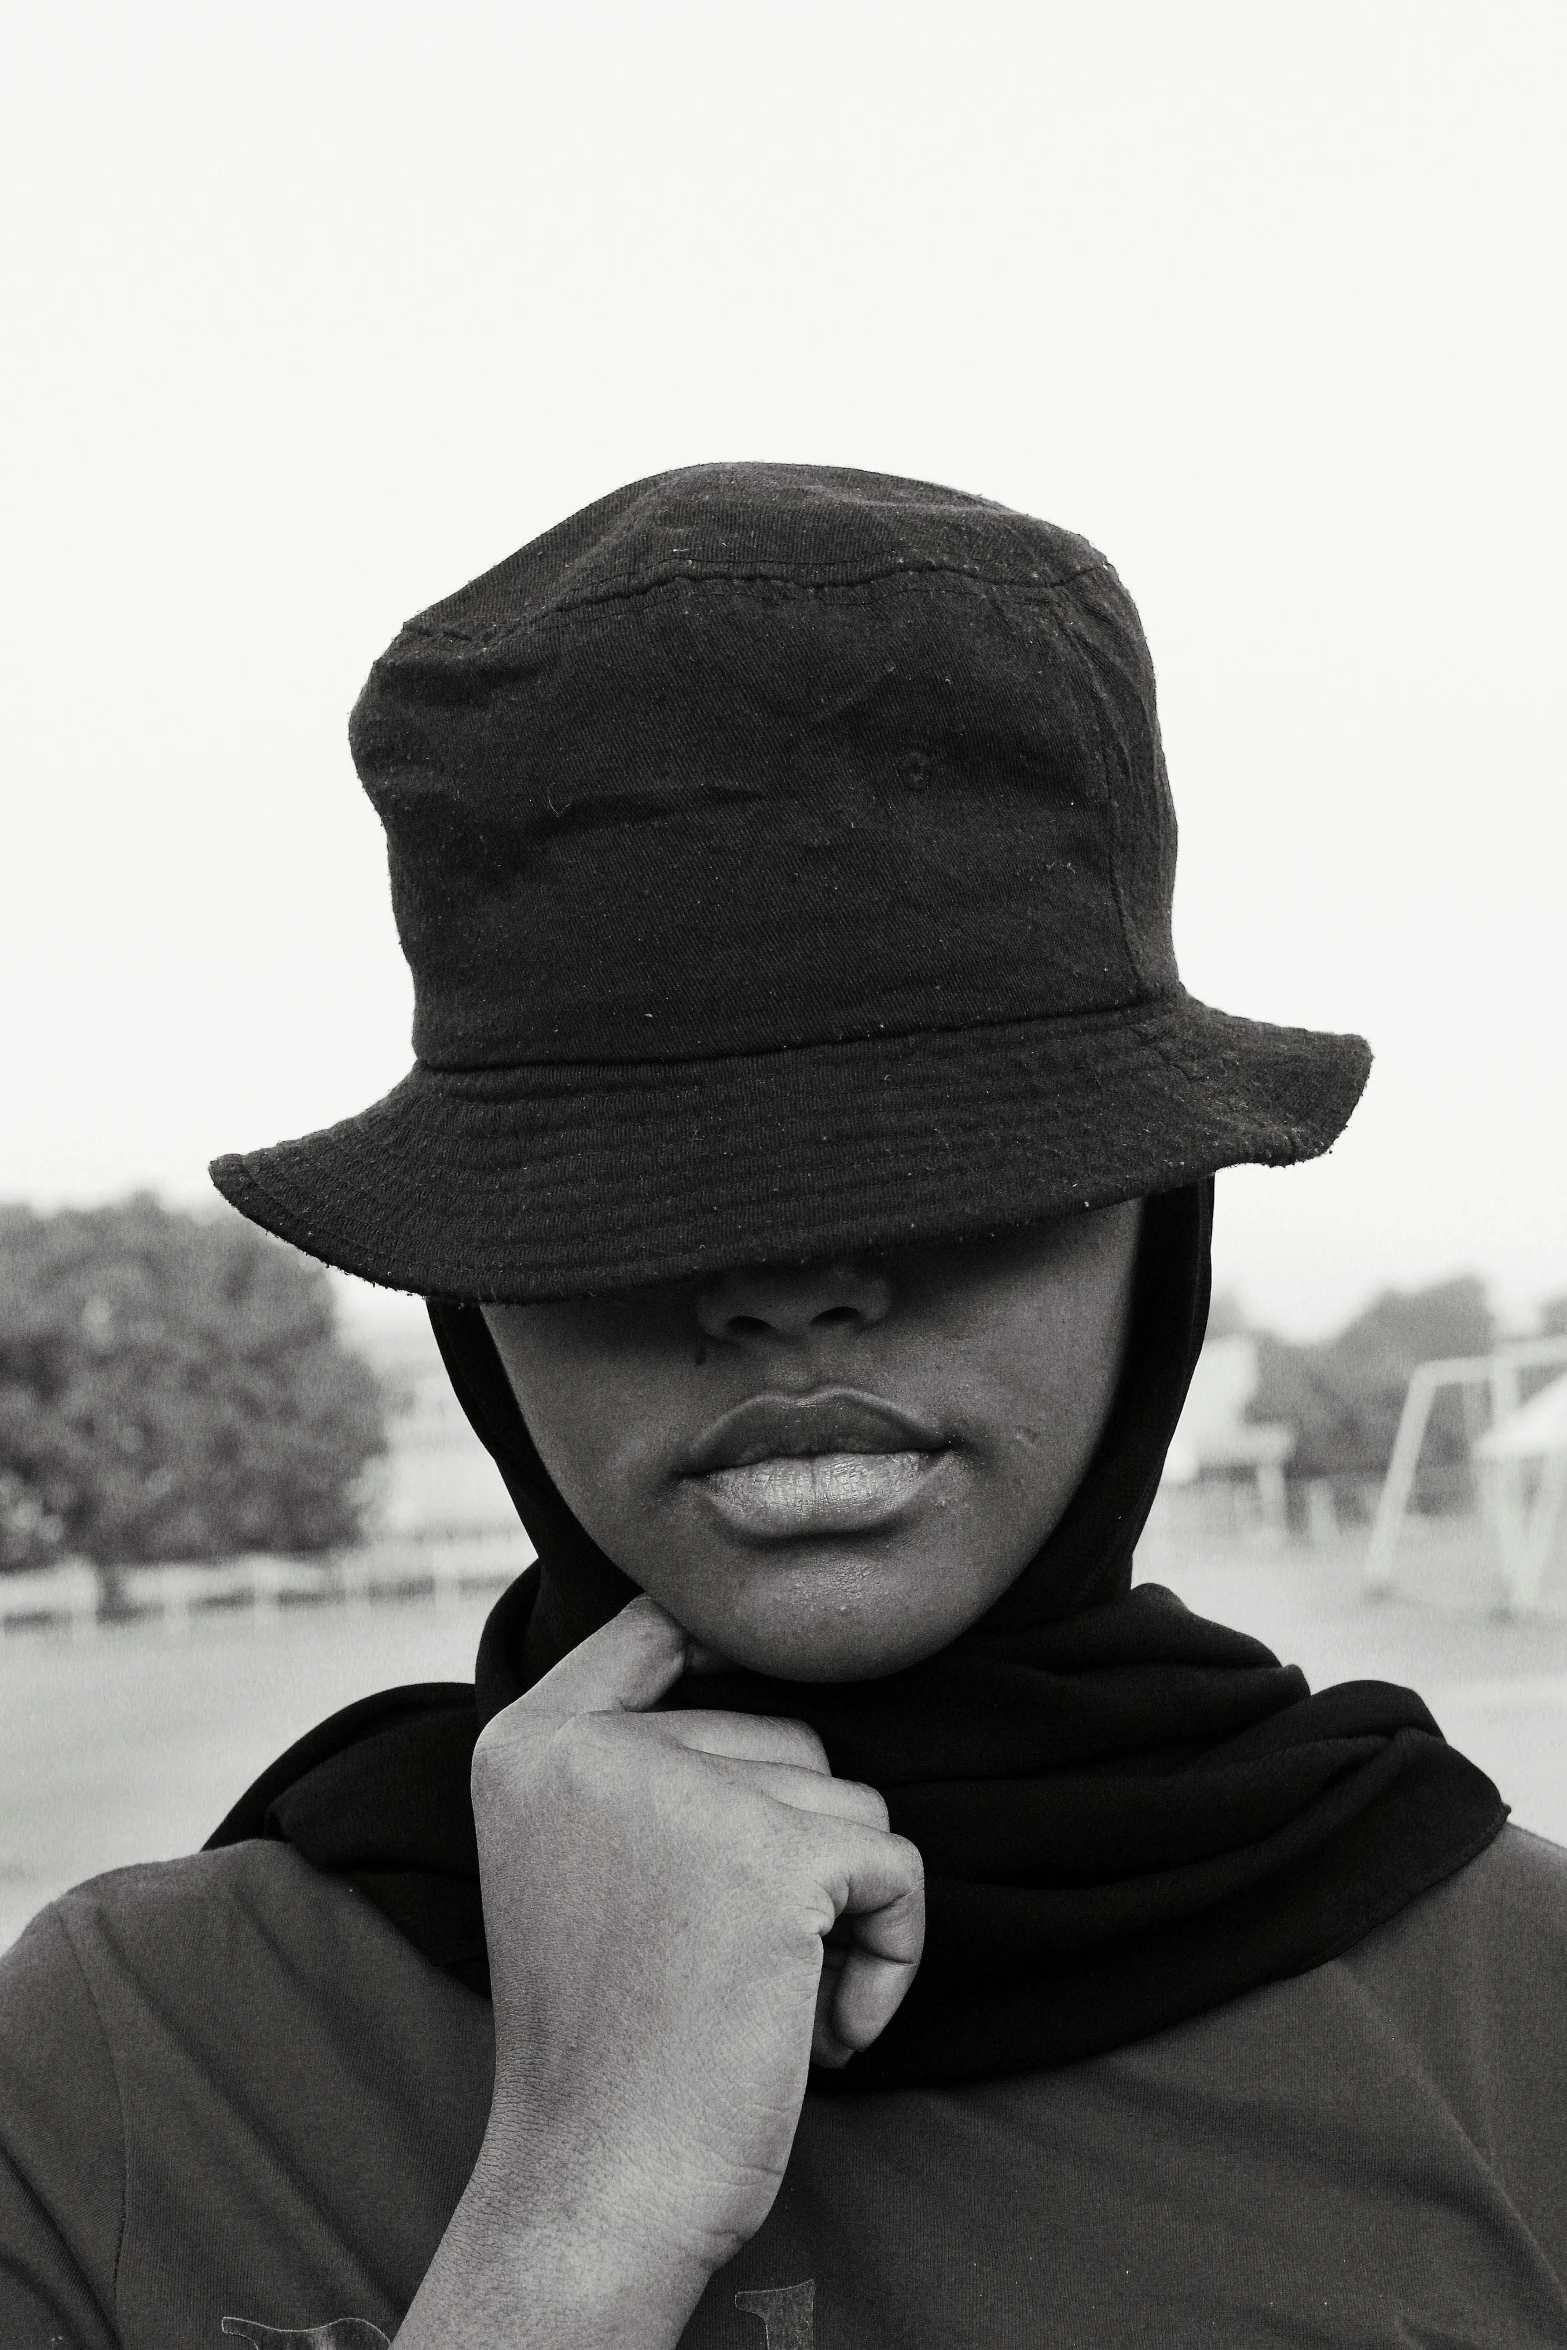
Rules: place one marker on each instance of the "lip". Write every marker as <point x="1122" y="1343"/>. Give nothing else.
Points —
<point x="789" y="1468"/>
<point x="833" y="1420"/>
<point x="788" y="1499"/>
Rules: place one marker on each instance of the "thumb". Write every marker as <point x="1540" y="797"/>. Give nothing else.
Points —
<point x="624" y="1668"/>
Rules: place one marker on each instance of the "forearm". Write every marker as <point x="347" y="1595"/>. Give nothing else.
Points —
<point x="520" y="2270"/>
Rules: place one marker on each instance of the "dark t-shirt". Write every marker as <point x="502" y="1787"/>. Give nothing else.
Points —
<point x="233" y="2099"/>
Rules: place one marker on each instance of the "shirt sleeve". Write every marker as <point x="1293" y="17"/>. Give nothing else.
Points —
<point x="62" y="2157"/>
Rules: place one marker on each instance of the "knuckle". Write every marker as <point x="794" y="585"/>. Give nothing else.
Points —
<point x="492" y="1758"/>
<point x="913" y="1860"/>
<point x="872" y="1800"/>
<point x="581" y="1753"/>
<point x="804" y="1743"/>
<point x="560" y="1750"/>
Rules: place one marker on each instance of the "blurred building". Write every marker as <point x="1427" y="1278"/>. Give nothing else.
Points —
<point x="1239" y="1463"/>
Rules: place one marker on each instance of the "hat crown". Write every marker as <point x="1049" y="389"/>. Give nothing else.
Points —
<point x="804" y="523"/>
<point x="747" y="757"/>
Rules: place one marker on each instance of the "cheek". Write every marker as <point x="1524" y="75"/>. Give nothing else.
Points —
<point x="581" y="1424"/>
<point x="1047" y="1448"/>
<point x="583" y="1404"/>
<point x="568" y="1434"/>
<point x="1054" y="1378"/>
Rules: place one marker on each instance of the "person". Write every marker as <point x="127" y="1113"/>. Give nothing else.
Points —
<point x="845" y="1909"/>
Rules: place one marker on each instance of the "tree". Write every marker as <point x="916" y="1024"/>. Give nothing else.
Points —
<point x="1344" y="1395"/>
<point x="172" y="1386"/>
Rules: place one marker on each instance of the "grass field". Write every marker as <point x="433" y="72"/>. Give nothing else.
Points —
<point x="132" y="1743"/>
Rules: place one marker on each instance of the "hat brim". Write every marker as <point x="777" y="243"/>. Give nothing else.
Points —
<point x="553" y="1180"/>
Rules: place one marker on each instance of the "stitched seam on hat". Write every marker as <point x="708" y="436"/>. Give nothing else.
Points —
<point x="1155" y="1008"/>
<point x="626" y="595"/>
<point x="1277" y="1096"/>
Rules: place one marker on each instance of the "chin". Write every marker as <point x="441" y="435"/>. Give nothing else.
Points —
<point x="809" y="1662"/>
<point x="828" y="1635"/>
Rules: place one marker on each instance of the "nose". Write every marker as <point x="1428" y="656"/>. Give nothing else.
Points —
<point x="792" y="1302"/>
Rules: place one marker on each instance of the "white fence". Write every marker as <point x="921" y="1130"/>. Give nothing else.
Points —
<point x="76" y="1598"/>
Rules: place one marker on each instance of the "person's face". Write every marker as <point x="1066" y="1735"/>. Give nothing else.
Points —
<point x="828" y="1471"/>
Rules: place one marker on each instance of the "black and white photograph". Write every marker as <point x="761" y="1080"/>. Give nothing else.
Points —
<point x="783" y="1175"/>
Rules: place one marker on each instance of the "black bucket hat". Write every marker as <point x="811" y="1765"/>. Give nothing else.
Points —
<point x="784" y="858"/>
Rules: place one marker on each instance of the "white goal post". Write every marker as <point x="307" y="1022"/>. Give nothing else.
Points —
<point x="1522" y="1524"/>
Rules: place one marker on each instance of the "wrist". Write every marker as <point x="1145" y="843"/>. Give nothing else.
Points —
<point x="571" y="2253"/>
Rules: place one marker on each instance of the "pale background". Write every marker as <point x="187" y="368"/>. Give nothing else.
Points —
<point x="315" y="309"/>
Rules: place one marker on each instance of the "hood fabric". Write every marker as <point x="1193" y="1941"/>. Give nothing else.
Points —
<point x="1128" y="1815"/>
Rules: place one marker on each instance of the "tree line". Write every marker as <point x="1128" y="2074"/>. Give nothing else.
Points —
<point x="172" y="1386"/>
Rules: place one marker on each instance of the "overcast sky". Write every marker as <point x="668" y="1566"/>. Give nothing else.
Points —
<point x="315" y="310"/>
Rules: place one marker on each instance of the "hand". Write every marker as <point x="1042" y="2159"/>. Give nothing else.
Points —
<point x="657" y="1891"/>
